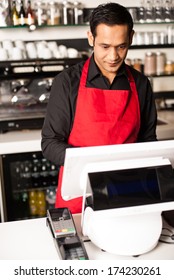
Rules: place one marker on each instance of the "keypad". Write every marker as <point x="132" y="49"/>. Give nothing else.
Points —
<point x="75" y="254"/>
<point x="64" y="226"/>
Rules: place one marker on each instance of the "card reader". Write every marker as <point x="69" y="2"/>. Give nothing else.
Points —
<point x="63" y="230"/>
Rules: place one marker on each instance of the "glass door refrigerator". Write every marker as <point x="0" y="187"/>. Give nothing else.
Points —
<point x="28" y="185"/>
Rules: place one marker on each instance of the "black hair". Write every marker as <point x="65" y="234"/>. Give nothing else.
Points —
<point x="110" y="14"/>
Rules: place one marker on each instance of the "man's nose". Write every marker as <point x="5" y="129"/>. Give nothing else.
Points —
<point x="113" y="55"/>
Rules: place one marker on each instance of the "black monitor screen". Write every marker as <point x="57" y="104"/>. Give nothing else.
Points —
<point x="139" y="186"/>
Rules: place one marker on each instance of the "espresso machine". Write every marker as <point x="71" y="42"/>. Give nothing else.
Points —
<point x="25" y="86"/>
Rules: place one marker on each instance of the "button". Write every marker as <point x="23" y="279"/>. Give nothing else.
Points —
<point x="64" y="230"/>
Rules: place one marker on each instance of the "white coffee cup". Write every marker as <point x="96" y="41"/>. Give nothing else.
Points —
<point x="3" y="54"/>
<point x="31" y="50"/>
<point x="20" y="44"/>
<point x="7" y="44"/>
<point x="46" y="53"/>
<point x="52" y="45"/>
<point x="72" y="53"/>
<point x="63" y="51"/>
<point x="16" y="54"/>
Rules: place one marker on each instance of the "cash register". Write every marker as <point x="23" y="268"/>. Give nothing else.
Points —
<point x="125" y="190"/>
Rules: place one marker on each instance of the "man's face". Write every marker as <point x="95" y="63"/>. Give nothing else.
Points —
<point x="110" y="47"/>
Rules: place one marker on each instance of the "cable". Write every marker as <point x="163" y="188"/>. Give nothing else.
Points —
<point x="170" y="237"/>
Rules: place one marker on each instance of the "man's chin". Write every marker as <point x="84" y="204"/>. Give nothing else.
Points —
<point x="114" y="68"/>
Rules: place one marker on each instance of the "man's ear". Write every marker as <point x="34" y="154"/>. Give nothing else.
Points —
<point x="131" y="37"/>
<point x="90" y="39"/>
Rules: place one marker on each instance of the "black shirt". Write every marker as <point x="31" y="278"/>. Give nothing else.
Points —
<point x="62" y="103"/>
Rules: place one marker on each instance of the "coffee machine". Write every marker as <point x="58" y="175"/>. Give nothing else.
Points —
<point x="25" y="86"/>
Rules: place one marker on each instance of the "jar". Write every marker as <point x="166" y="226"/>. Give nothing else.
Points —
<point x="169" y="67"/>
<point x="163" y="38"/>
<point x="148" y="39"/>
<point x="137" y="64"/>
<point x="170" y="34"/>
<point x="41" y="13"/>
<point x="78" y="12"/>
<point x="53" y="13"/>
<point x="67" y="13"/>
<point x="150" y="64"/>
<point x="140" y="38"/>
<point x="160" y="63"/>
<point x="155" y="38"/>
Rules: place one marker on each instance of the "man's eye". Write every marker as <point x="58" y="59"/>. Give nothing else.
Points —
<point x="122" y="47"/>
<point x="105" y="47"/>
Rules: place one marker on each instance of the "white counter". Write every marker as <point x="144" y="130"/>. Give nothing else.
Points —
<point x="30" y="140"/>
<point x="32" y="240"/>
<point x="20" y="141"/>
<point x="166" y="131"/>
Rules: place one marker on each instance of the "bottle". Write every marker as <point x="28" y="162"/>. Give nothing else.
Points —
<point x="25" y="207"/>
<point x="20" y="205"/>
<point x="51" y="197"/>
<point x="36" y="166"/>
<point x="158" y="10"/>
<point x="33" y="203"/>
<point x="41" y="203"/>
<point x="149" y="11"/>
<point x="167" y="11"/>
<point x="17" y="205"/>
<point x="14" y="14"/>
<point x="141" y="12"/>
<point x="22" y="15"/>
<point x="30" y="17"/>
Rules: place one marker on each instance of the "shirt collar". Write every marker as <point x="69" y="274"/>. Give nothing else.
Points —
<point x="95" y="71"/>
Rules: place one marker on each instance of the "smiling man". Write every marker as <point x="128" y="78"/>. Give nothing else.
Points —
<point x="101" y="101"/>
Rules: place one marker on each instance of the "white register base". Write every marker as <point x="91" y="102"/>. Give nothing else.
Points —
<point x="31" y="240"/>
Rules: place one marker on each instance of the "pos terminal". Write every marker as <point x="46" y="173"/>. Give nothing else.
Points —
<point x="125" y="189"/>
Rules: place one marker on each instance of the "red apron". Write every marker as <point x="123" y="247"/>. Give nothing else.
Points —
<point x="102" y="117"/>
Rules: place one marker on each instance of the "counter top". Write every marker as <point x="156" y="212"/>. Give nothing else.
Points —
<point x="20" y="141"/>
<point x="32" y="240"/>
<point x="165" y="131"/>
<point x="30" y="140"/>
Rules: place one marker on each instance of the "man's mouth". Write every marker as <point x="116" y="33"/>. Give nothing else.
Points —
<point x="113" y="64"/>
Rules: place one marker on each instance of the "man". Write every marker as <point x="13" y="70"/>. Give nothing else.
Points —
<point x="101" y="101"/>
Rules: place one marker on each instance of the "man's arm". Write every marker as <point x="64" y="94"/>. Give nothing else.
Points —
<point x="58" y="120"/>
<point x="148" y="113"/>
